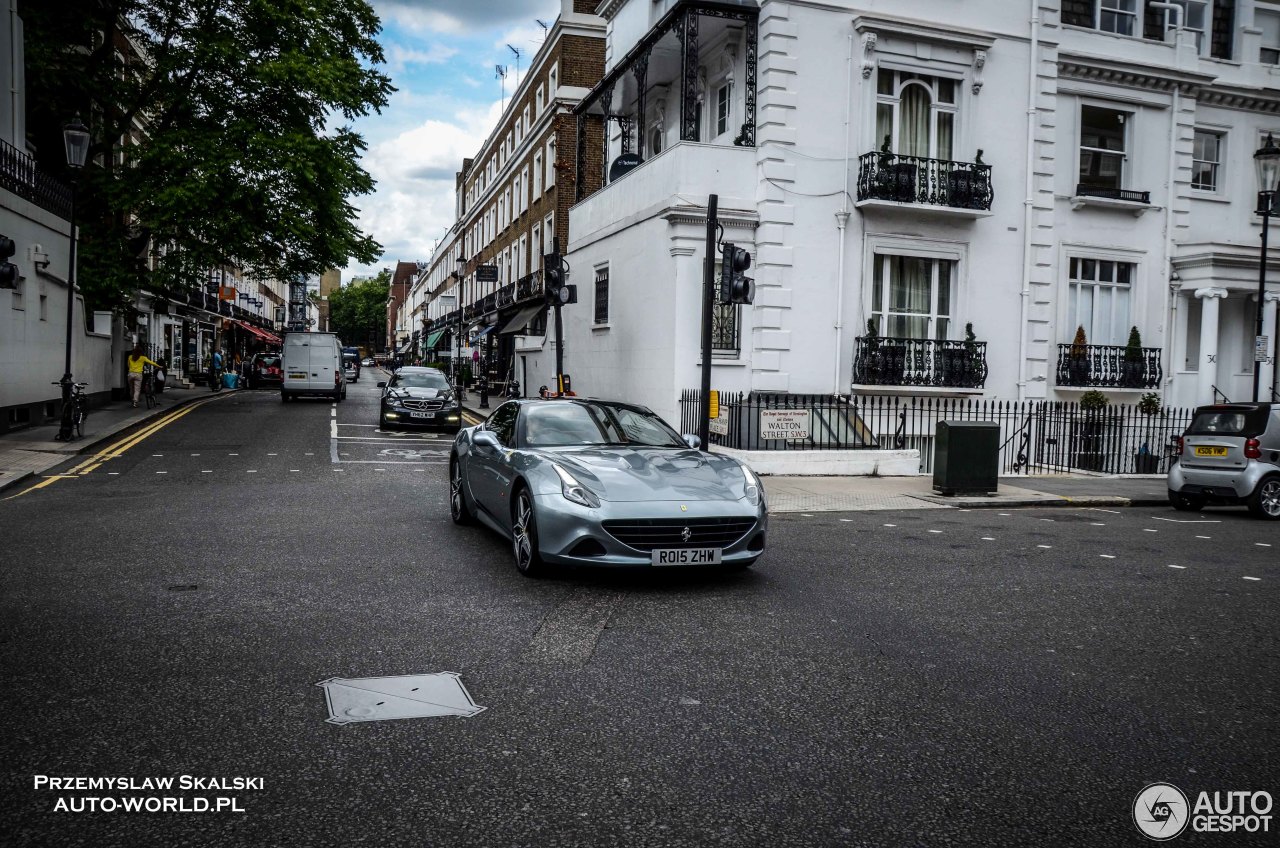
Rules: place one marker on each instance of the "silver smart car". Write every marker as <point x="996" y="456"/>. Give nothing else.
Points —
<point x="1230" y="454"/>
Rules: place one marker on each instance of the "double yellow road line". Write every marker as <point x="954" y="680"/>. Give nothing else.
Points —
<point x="119" y="448"/>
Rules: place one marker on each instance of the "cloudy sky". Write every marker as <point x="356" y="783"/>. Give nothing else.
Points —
<point x="440" y="56"/>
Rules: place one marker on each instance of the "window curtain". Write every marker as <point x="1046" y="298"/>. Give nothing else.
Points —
<point x="910" y="293"/>
<point x="914" y="121"/>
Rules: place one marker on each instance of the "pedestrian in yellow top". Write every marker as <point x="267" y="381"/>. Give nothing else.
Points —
<point x="137" y="360"/>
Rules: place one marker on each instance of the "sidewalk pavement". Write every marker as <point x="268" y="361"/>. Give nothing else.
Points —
<point x="31" y="452"/>
<point x="855" y="494"/>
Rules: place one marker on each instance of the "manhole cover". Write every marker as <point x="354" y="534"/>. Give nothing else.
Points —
<point x="404" y="696"/>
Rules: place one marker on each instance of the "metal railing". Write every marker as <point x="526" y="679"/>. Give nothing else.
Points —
<point x="20" y="175"/>
<point x="1109" y="366"/>
<point x="915" y="179"/>
<point x="1110" y="193"/>
<point x="1036" y="437"/>
<point x="889" y="361"/>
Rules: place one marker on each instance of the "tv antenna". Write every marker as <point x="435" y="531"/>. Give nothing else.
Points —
<point x="517" y="52"/>
<point x="544" y="26"/>
<point x="502" y="75"/>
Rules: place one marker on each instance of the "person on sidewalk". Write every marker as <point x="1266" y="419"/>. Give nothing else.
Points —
<point x="137" y="361"/>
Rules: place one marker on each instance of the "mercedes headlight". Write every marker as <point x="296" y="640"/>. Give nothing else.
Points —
<point x="575" y="492"/>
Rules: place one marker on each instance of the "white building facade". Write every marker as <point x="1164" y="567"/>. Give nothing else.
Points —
<point x="976" y="182"/>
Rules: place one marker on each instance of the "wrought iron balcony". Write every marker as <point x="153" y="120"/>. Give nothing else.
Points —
<point x="888" y="361"/>
<point x="1108" y="366"/>
<point x="20" y="175"/>
<point x="913" y="179"/>
<point x="1109" y="193"/>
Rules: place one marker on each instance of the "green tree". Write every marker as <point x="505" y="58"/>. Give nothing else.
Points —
<point x="236" y="115"/>
<point x="358" y="311"/>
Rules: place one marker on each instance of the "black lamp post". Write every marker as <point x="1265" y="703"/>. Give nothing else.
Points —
<point x="1267" y="162"/>
<point x="75" y="137"/>
<point x="460" y="271"/>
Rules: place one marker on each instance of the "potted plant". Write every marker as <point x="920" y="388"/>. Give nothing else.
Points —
<point x="1089" y="457"/>
<point x="1131" y="375"/>
<point x="866" y="370"/>
<point x="967" y="184"/>
<point x="1145" y="461"/>
<point x="960" y="364"/>
<point x="1078" y="360"/>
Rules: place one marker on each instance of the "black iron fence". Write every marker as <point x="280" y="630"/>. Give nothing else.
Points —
<point x="888" y="361"/>
<point x="1109" y="366"/>
<point x="915" y="179"/>
<point x="20" y="175"/>
<point x="1036" y="437"/>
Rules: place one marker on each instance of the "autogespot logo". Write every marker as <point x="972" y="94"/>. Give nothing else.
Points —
<point x="1160" y="811"/>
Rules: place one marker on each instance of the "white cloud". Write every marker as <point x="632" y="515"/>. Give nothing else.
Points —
<point x="399" y="57"/>
<point x="458" y="16"/>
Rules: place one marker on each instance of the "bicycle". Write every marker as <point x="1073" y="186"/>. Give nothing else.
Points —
<point x="149" y="386"/>
<point x="75" y="412"/>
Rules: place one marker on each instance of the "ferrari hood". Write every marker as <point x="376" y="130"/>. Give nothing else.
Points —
<point x="653" y="474"/>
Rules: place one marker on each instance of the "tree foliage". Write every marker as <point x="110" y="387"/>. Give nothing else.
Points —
<point x="358" y="312"/>
<point x="237" y="116"/>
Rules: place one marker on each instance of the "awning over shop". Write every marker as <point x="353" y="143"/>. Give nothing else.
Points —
<point x="434" y="338"/>
<point x="269" y="338"/>
<point x="484" y="331"/>
<point x="521" y="319"/>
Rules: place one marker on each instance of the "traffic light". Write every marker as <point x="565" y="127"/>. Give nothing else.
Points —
<point x="735" y="286"/>
<point x="556" y="292"/>
<point x="8" y="271"/>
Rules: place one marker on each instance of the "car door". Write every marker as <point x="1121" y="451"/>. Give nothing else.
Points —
<point x="484" y="470"/>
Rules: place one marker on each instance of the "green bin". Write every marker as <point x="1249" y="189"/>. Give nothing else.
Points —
<point x="966" y="457"/>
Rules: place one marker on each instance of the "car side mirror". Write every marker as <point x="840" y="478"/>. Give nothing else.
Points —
<point x="383" y="384"/>
<point x="692" y="441"/>
<point x="485" y="439"/>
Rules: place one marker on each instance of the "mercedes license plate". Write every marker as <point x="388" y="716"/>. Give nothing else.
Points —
<point x="1211" y="451"/>
<point x="422" y="415"/>
<point x="686" y="556"/>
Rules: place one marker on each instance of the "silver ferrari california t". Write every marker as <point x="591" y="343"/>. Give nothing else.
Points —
<point x="579" y="481"/>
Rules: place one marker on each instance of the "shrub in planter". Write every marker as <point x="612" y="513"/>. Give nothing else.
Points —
<point x="1078" y="360"/>
<point x="1094" y="401"/>
<point x="1089" y="457"/>
<point x="1131" y="375"/>
<point x="1144" y="461"/>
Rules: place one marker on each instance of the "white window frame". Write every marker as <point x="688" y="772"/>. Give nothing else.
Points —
<point x="540" y="100"/>
<point x="553" y="80"/>
<point x="881" y="313"/>
<point x="537" y="176"/>
<point x="1071" y="318"/>
<point x="1273" y="13"/>
<point x="1203" y="33"/>
<point x="521" y="256"/>
<point x="1217" y="164"/>
<point x="596" y="320"/>
<point x="551" y="164"/>
<point x="723" y="100"/>
<point x="1126" y="123"/>
<point x="1119" y="10"/>
<point x="548" y="232"/>
<point x="930" y="81"/>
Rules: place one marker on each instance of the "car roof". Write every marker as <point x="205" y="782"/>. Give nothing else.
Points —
<point x="417" y="368"/>
<point x="1242" y="406"/>
<point x="601" y="401"/>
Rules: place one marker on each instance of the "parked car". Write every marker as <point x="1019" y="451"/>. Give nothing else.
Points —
<point x="591" y="482"/>
<point x="419" y="397"/>
<point x="1229" y="454"/>
<point x="312" y="366"/>
<point x="265" y="370"/>
<point x="368" y="362"/>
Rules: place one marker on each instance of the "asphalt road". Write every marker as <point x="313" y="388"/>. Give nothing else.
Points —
<point x="933" y="677"/>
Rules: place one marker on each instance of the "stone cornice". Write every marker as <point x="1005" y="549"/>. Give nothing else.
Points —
<point x="1248" y="99"/>
<point x="1090" y="68"/>
<point x="917" y="30"/>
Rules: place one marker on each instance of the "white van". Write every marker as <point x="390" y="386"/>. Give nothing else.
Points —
<point x="312" y="366"/>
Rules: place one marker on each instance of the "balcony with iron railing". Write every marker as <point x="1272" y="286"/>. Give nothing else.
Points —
<point x="953" y="188"/>
<point x="20" y="175"/>
<point x="928" y="363"/>
<point x="1108" y="366"/>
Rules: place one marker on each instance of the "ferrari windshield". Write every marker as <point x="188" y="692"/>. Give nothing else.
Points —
<point x="573" y="423"/>
<point x="419" y="380"/>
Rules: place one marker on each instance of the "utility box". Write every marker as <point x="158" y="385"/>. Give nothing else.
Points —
<point x="966" y="457"/>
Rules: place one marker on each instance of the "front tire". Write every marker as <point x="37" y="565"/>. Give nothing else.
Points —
<point x="458" y="510"/>
<point x="1186" y="503"/>
<point x="1265" y="500"/>
<point x="524" y="536"/>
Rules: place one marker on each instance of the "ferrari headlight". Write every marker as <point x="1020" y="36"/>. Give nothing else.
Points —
<point x="574" y="491"/>
<point x="754" y="490"/>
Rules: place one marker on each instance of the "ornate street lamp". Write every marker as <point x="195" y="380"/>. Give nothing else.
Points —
<point x="1267" y="162"/>
<point x="75" y="137"/>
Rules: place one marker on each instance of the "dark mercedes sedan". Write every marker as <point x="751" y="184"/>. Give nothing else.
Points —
<point x="419" y="397"/>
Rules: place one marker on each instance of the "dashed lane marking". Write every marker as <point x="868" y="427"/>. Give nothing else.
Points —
<point x="1107" y="556"/>
<point x="208" y="471"/>
<point x="1097" y="524"/>
<point x="988" y="538"/>
<point x="1149" y="530"/>
<point x="1252" y="578"/>
<point x="890" y="525"/>
<point x="1263" y="544"/>
<point x="1046" y="547"/>
<point x="1204" y="537"/>
<point x="935" y="531"/>
<point x="1179" y="567"/>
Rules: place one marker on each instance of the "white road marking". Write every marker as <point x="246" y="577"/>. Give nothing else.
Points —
<point x="1048" y="519"/>
<point x="846" y="519"/>
<point x="988" y="538"/>
<point x="333" y="429"/>
<point x="1100" y="509"/>
<point x="1107" y="556"/>
<point x="1005" y="514"/>
<point x="1149" y="530"/>
<point x="251" y="471"/>
<point x="890" y="525"/>
<point x="273" y="454"/>
<point x="1263" y="544"/>
<point x="1204" y="537"/>
<point x="339" y="469"/>
<point x="233" y="454"/>
<point x="935" y="531"/>
<point x="379" y="469"/>
<point x="113" y="473"/>
<point x="162" y="472"/>
<point x="1252" y="578"/>
<point x="209" y="471"/>
<point x="1182" y="567"/>
<point x="195" y="454"/>
<point x="1188" y="520"/>
<point x="1044" y="546"/>
<point x="357" y="425"/>
<point x="1097" y="524"/>
<point x="157" y="454"/>
<point x="804" y="514"/>
<point x="293" y="469"/>
<point x="309" y="453"/>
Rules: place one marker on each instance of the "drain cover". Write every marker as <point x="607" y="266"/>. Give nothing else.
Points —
<point x="405" y="696"/>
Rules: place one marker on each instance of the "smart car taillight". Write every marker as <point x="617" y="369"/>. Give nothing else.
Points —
<point x="1177" y="445"/>
<point x="1252" y="449"/>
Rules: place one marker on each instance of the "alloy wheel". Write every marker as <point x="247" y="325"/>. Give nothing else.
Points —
<point x="521" y="544"/>
<point x="457" y="500"/>
<point x="1269" y="498"/>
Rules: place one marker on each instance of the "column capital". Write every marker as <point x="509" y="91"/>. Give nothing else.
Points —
<point x="1270" y="297"/>
<point x="1211" y="292"/>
